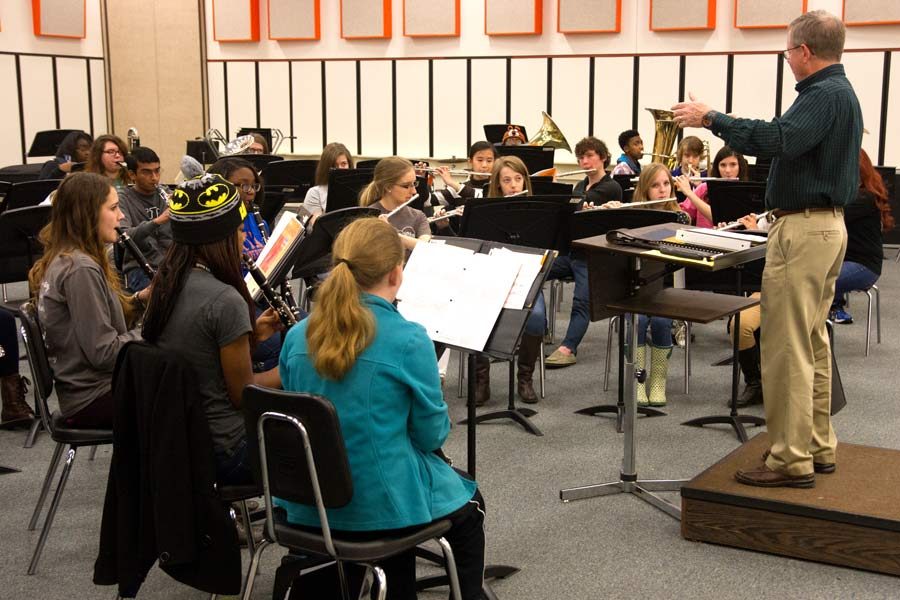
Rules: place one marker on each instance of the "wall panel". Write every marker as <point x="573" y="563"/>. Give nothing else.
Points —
<point x="98" y="95"/>
<point x="241" y="97"/>
<point x="37" y="97"/>
<point x="12" y="151"/>
<point x="450" y="109"/>
<point x="705" y="77"/>
<point x="488" y="95"/>
<point x="274" y="100"/>
<point x="215" y="76"/>
<point x="613" y="87"/>
<point x="571" y="84"/>
<point x="412" y="108"/>
<point x="892" y="142"/>
<point x="862" y="68"/>
<point x="754" y="86"/>
<point x="377" y="124"/>
<point x="529" y="92"/>
<point x="308" y="109"/>
<point x="74" y="111"/>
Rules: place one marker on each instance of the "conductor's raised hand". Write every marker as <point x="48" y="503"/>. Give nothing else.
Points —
<point x="690" y="114"/>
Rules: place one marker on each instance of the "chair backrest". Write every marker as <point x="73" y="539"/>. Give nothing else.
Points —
<point x="41" y="372"/>
<point x="297" y="451"/>
<point x="29" y="193"/>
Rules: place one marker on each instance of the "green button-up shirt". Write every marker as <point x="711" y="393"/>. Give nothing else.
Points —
<point x="814" y="145"/>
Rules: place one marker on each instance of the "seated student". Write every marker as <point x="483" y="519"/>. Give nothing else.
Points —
<point x="380" y="373"/>
<point x="728" y="164"/>
<point x="334" y="156"/>
<point x="84" y="315"/>
<point x="200" y="307"/>
<point x="655" y="183"/>
<point x="597" y="188"/>
<point x="12" y="384"/>
<point x="688" y="156"/>
<point x="393" y="184"/>
<point x="107" y="157"/>
<point x="246" y="179"/>
<point x="867" y="217"/>
<point x="146" y="216"/>
<point x="259" y="145"/>
<point x="481" y="159"/>
<point x="632" y="150"/>
<point x="75" y="148"/>
<point x="510" y="178"/>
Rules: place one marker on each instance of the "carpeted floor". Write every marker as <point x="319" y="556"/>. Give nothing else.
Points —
<point x="612" y="547"/>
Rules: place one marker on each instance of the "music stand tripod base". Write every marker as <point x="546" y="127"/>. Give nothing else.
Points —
<point x="519" y="415"/>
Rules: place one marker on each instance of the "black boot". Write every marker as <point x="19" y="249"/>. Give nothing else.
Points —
<point x="482" y="380"/>
<point x="753" y="393"/>
<point x="15" y="409"/>
<point x="528" y="354"/>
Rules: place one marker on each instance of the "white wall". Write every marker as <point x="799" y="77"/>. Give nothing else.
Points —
<point x="754" y="79"/>
<point x="72" y="75"/>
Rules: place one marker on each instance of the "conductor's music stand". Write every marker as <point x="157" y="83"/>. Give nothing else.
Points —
<point x="589" y="223"/>
<point x="532" y="222"/>
<point x="344" y="186"/>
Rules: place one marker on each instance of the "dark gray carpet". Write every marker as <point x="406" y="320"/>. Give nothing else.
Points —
<point x="613" y="547"/>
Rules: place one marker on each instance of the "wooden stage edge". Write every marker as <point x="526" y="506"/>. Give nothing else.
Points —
<point x="851" y="518"/>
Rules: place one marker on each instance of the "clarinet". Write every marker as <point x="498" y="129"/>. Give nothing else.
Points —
<point x="273" y="298"/>
<point x="135" y="252"/>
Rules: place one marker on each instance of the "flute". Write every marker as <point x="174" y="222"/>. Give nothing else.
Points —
<point x="633" y="204"/>
<point x="579" y="172"/>
<point x="452" y="171"/>
<point x="450" y="213"/>
<point x="736" y="224"/>
<point x="396" y="210"/>
<point x="273" y="298"/>
<point x="516" y="194"/>
<point x="135" y="252"/>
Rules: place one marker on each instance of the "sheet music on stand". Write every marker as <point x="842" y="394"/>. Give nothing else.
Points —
<point x="456" y="293"/>
<point x="277" y="256"/>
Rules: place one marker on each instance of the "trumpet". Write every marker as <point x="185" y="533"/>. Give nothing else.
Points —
<point x="450" y="213"/>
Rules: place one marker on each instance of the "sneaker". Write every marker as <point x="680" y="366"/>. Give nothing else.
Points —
<point x="842" y="316"/>
<point x="559" y="359"/>
<point x="679" y="333"/>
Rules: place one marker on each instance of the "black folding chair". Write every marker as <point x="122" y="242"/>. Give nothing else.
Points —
<point x="297" y="450"/>
<point x="28" y="193"/>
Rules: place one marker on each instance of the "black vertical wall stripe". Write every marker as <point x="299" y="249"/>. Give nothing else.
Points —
<point x="430" y="107"/>
<point x="358" y="107"/>
<point x="591" y="71"/>
<point x="729" y="83"/>
<point x="635" y="90"/>
<point x="324" y="105"/>
<point x="885" y="96"/>
<point x="682" y="76"/>
<point x="508" y="89"/>
<point x="549" y="86"/>
<point x="225" y="85"/>
<point x="468" y="103"/>
<point x="90" y="98"/>
<point x="256" y="87"/>
<point x="290" y="66"/>
<point x="779" y="83"/>
<point x="21" y="109"/>
<point x="55" y="91"/>
<point x="394" y="107"/>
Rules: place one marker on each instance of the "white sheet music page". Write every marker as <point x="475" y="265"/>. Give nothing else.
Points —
<point x="528" y="267"/>
<point x="455" y="293"/>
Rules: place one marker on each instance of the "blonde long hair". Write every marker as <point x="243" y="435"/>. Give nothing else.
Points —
<point x="512" y="162"/>
<point x="389" y="171"/>
<point x="641" y="191"/>
<point x="341" y="326"/>
<point x="74" y="216"/>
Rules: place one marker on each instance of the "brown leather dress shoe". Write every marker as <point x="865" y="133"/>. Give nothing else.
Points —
<point x="765" y="477"/>
<point x="823" y="468"/>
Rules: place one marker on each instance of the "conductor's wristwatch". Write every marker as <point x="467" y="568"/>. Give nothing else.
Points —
<point x="707" y="120"/>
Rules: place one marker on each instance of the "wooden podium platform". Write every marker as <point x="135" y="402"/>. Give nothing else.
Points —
<point x="851" y="518"/>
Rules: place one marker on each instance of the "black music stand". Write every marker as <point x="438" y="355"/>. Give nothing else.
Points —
<point x="344" y="186"/>
<point x="730" y="200"/>
<point x="589" y="223"/>
<point x="19" y="229"/>
<point x="266" y="132"/>
<point x="640" y="292"/>
<point x="28" y="193"/>
<point x="286" y="181"/>
<point x="531" y="222"/>
<point x="202" y="151"/>
<point x="536" y="158"/>
<point x="46" y="143"/>
<point x="494" y="132"/>
<point x="316" y="245"/>
<point x="625" y="181"/>
<point x="545" y="186"/>
<point x="259" y="161"/>
<point x="368" y="163"/>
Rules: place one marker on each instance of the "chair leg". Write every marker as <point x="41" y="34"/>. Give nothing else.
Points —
<point x="609" y="336"/>
<point x="450" y="566"/>
<point x="542" y="373"/>
<point x="687" y="358"/>
<point x="33" y="431"/>
<point x="253" y="568"/>
<point x="554" y="299"/>
<point x="45" y="487"/>
<point x="382" y="582"/>
<point x="93" y="453"/>
<point x="868" y="320"/>
<point x="875" y="289"/>
<point x="245" y="515"/>
<point x="462" y="370"/>
<point x="54" y="505"/>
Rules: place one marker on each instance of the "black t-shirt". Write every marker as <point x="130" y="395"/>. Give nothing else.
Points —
<point x="864" y="238"/>
<point x="605" y="190"/>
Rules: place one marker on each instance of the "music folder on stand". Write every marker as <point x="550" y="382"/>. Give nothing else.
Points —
<point x="641" y="292"/>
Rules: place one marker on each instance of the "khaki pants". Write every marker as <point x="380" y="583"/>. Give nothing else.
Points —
<point x="750" y="320"/>
<point x="803" y="260"/>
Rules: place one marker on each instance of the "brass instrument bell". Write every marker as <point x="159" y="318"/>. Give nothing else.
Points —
<point x="549" y="135"/>
<point x="666" y="134"/>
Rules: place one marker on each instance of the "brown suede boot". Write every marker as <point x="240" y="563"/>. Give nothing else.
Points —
<point x="528" y="354"/>
<point x="482" y="380"/>
<point x="15" y="408"/>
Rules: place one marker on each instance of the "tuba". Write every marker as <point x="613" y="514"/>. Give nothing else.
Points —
<point x="549" y="135"/>
<point x="665" y="136"/>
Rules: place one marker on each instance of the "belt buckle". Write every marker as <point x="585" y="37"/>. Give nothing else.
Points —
<point x="771" y="217"/>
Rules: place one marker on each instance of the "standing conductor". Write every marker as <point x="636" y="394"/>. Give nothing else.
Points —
<point x="815" y="172"/>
